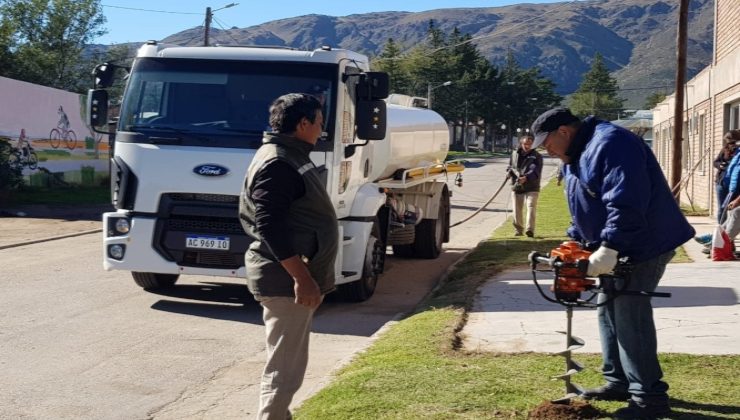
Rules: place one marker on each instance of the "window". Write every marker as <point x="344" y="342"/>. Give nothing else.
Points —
<point x="734" y="116"/>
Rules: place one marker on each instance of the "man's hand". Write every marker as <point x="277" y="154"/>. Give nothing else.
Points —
<point x="733" y="204"/>
<point x="307" y="293"/>
<point x="522" y="180"/>
<point x="602" y="261"/>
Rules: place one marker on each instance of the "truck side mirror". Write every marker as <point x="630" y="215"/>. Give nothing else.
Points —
<point x="370" y="118"/>
<point x="373" y="85"/>
<point x="97" y="107"/>
<point x="103" y="75"/>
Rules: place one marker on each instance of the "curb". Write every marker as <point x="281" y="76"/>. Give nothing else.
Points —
<point x="52" y="238"/>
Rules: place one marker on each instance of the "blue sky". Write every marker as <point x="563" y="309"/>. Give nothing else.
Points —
<point x="125" y="25"/>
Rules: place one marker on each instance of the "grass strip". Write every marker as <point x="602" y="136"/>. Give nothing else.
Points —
<point x="416" y="370"/>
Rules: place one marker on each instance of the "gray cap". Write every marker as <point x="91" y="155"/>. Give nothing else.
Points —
<point x="548" y="122"/>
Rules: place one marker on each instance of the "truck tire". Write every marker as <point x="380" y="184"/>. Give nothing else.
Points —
<point x="152" y="281"/>
<point x="362" y="289"/>
<point x="430" y="233"/>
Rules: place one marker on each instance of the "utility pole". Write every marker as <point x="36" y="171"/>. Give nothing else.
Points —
<point x="465" y="128"/>
<point x="681" y="42"/>
<point x="209" y="17"/>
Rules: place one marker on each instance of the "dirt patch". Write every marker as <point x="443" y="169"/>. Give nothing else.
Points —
<point x="573" y="410"/>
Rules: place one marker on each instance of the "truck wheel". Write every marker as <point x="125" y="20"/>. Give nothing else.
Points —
<point x="151" y="281"/>
<point x="362" y="289"/>
<point x="430" y="233"/>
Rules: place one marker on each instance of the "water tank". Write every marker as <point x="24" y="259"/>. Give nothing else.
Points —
<point x="415" y="137"/>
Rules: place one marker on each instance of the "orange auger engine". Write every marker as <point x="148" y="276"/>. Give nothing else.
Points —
<point x="569" y="262"/>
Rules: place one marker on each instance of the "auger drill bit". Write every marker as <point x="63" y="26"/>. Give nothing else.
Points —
<point x="572" y="367"/>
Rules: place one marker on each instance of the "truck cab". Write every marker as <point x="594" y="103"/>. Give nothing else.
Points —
<point x="191" y="119"/>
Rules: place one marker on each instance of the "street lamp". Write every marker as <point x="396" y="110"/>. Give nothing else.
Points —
<point x="430" y="88"/>
<point x="209" y="17"/>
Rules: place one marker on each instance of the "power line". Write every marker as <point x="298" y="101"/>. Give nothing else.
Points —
<point x="150" y="10"/>
<point x="221" y="25"/>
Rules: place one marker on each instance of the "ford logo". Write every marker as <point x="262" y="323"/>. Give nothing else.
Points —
<point x="210" y="169"/>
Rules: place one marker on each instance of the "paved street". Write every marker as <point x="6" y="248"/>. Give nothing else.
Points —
<point x="79" y="342"/>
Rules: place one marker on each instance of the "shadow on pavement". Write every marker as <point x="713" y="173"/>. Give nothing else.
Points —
<point x="233" y="302"/>
<point x="66" y="212"/>
<point x="525" y="298"/>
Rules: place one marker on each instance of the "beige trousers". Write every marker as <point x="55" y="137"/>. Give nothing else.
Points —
<point x="287" y="329"/>
<point x="520" y="200"/>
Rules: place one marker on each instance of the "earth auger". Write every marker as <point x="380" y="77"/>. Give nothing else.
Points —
<point x="569" y="263"/>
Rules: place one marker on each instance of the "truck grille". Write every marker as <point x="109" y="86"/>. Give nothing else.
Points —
<point x="185" y="214"/>
<point x="212" y="259"/>
<point x="205" y="225"/>
<point x="208" y="198"/>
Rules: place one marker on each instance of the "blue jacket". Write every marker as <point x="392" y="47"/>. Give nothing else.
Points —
<point x="732" y="174"/>
<point x="618" y="196"/>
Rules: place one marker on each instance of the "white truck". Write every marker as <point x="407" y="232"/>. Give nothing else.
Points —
<point x="190" y="121"/>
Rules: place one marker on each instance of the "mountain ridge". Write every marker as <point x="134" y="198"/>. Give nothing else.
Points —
<point x="635" y="37"/>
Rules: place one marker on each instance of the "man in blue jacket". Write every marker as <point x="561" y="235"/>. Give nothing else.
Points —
<point x="621" y="206"/>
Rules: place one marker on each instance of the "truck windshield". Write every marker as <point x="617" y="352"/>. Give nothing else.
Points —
<point x="217" y="103"/>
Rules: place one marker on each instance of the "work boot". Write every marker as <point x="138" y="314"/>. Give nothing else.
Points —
<point x="606" y="393"/>
<point x="637" y="410"/>
<point x="517" y="233"/>
<point x="703" y="239"/>
<point x="530" y="234"/>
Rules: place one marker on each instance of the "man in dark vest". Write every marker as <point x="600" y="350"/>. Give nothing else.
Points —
<point x="525" y="171"/>
<point x="284" y="206"/>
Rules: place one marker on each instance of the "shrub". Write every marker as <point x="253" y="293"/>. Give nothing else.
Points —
<point x="11" y="176"/>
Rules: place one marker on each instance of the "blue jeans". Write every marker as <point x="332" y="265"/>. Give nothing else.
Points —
<point x="628" y="339"/>
<point x="721" y="196"/>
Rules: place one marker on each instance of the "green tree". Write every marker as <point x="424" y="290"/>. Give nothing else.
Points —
<point x="390" y="61"/>
<point x="598" y="93"/>
<point x="654" y="99"/>
<point x="43" y="40"/>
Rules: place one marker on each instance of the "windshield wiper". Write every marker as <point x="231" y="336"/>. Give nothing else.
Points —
<point x="169" y="140"/>
<point x="241" y="130"/>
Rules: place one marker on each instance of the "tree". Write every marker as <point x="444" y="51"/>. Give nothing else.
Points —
<point x="390" y="61"/>
<point x="654" y="99"/>
<point x="43" y="40"/>
<point x="598" y="93"/>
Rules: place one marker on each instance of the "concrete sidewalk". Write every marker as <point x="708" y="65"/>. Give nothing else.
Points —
<point x="701" y="317"/>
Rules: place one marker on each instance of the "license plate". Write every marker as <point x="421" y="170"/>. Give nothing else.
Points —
<point x="218" y="243"/>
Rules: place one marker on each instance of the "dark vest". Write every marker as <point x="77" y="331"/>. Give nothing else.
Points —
<point x="313" y="223"/>
<point x="522" y="162"/>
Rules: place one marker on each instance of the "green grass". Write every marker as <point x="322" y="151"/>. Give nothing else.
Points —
<point x="47" y="155"/>
<point x="416" y="370"/>
<point x="689" y="210"/>
<point x="60" y="195"/>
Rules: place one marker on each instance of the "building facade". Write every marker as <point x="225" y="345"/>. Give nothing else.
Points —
<point x="712" y="107"/>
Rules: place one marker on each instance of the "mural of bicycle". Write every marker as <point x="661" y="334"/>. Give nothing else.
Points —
<point x="62" y="132"/>
<point x="23" y="155"/>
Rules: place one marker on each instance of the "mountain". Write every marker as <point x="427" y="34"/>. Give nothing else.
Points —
<point x="637" y="38"/>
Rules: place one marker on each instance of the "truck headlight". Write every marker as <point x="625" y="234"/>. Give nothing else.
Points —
<point x="116" y="251"/>
<point x="122" y="226"/>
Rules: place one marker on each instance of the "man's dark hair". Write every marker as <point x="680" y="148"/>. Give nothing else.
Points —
<point x="288" y="110"/>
